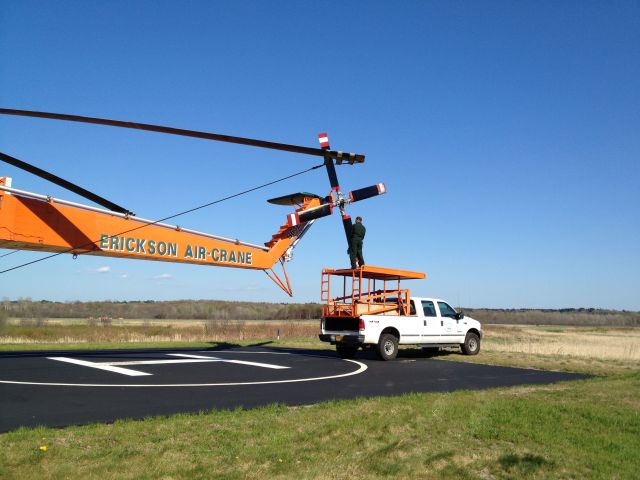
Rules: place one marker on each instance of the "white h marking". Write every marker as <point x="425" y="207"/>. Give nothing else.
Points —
<point x="115" y="367"/>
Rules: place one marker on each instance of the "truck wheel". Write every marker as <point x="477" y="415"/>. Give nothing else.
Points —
<point x="387" y="348"/>
<point x="346" y="351"/>
<point x="471" y="345"/>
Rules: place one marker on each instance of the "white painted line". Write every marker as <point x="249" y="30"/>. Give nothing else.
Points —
<point x="239" y="362"/>
<point x="161" y="362"/>
<point x="101" y="366"/>
<point x="256" y="353"/>
<point x="257" y="364"/>
<point x="185" y="355"/>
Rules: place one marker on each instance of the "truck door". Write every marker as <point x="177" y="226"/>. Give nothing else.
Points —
<point x="411" y="326"/>
<point x="451" y="327"/>
<point x="431" y="329"/>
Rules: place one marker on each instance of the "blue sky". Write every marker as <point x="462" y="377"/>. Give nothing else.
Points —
<point x="507" y="134"/>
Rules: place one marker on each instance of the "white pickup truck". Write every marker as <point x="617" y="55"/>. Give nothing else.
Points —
<point x="431" y="323"/>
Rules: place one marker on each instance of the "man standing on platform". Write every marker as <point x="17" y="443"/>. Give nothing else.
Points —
<point x="355" y="243"/>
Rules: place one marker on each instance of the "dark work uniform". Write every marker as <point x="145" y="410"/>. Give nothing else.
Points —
<point x="355" y="245"/>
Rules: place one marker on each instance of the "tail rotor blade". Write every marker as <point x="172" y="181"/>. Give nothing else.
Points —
<point x="348" y="226"/>
<point x="309" y="214"/>
<point x="367" y="192"/>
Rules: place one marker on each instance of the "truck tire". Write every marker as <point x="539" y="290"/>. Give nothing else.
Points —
<point x="346" y="351"/>
<point x="387" y="348"/>
<point x="471" y="345"/>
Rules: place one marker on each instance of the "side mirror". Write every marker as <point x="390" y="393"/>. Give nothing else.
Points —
<point x="459" y="315"/>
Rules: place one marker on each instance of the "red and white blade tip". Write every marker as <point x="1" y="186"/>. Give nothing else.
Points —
<point x="323" y="138"/>
<point x="381" y="188"/>
<point x="293" y="219"/>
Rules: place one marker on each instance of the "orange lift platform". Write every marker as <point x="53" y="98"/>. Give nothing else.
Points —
<point x="366" y="290"/>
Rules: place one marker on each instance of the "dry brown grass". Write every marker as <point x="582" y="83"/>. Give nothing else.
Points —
<point x="596" y="343"/>
<point x="130" y="331"/>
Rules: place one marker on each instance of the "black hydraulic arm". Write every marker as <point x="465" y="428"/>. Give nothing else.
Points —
<point x="63" y="183"/>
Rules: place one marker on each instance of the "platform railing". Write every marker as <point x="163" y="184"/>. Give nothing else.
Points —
<point x="366" y="304"/>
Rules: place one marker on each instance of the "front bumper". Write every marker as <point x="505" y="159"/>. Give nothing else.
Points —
<point x="334" y="338"/>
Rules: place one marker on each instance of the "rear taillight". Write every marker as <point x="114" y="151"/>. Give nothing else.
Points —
<point x="361" y="325"/>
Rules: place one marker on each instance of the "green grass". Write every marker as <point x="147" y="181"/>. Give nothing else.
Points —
<point x="569" y="430"/>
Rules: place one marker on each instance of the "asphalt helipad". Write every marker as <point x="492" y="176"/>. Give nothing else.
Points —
<point x="67" y="388"/>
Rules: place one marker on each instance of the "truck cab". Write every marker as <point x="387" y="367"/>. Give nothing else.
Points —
<point x="439" y="324"/>
<point x="364" y="315"/>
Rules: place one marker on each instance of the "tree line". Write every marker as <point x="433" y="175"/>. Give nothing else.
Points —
<point x="149" y="309"/>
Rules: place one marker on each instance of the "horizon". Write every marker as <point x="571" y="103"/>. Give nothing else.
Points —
<point x="559" y="309"/>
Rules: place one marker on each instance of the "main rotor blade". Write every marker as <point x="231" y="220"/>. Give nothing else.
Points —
<point x="63" y="183"/>
<point x="342" y="156"/>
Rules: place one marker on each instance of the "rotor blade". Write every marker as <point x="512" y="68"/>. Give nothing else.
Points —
<point x="309" y="214"/>
<point x="63" y="183"/>
<point x="348" y="227"/>
<point x="341" y="156"/>
<point x="367" y="192"/>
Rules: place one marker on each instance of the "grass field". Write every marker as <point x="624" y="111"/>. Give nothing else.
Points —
<point x="71" y="333"/>
<point x="583" y="429"/>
